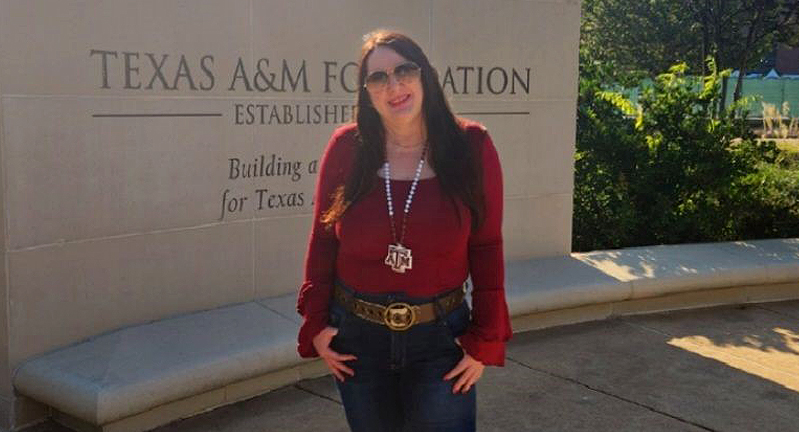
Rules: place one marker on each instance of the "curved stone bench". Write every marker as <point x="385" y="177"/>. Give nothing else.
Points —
<point x="139" y="377"/>
<point x="206" y="356"/>
<point x="600" y="284"/>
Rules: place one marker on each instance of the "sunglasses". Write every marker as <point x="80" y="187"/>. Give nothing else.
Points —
<point x="403" y="73"/>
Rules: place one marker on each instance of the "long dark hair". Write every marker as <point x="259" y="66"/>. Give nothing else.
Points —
<point x="451" y="156"/>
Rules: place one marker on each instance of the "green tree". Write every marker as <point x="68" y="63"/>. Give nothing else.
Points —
<point x="606" y="154"/>
<point x="639" y="37"/>
<point x="646" y="37"/>
<point x="751" y="28"/>
<point x="692" y="154"/>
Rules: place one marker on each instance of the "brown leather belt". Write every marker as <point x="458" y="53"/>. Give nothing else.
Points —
<point x="398" y="316"/>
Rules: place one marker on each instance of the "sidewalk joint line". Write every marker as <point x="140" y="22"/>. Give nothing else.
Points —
<point x="646" y="327"/>
<point x="598" y="390"/>
<point x="275" y="311"/>
<point x="760" y="306"/>
<point x="298" y="387"/>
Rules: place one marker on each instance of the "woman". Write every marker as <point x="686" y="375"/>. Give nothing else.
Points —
<point x="408" y="204"/>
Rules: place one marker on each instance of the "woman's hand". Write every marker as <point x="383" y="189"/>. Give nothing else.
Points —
<point x="334" y="360"/>
<point x="470" y="370"/>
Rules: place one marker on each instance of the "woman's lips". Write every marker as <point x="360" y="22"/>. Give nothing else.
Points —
<point x="399" y="101"/>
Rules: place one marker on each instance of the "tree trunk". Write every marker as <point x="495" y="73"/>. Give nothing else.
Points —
<point x="705" y="39"/>
<point x="745" y="55"/>
<point x="723" y="100"/>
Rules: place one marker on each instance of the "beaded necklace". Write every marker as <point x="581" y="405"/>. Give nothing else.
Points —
<point x="399" y="257"/>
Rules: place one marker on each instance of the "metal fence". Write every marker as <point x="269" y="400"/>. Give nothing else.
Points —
<point x="774" y="91"/>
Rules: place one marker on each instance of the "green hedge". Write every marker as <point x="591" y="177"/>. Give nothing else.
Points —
<point x="673" y="169"/>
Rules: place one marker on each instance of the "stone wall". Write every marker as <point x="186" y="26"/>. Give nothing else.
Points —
<point x="158" y="156"/>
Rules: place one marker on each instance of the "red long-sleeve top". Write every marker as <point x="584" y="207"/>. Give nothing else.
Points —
<point x="445" y="250"/>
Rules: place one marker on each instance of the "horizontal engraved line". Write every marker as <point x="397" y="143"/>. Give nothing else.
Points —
<point x="161" y="115"/>
<point x="494" y="113"/>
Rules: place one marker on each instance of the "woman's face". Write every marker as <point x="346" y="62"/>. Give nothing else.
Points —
<point x="397" y="102"/>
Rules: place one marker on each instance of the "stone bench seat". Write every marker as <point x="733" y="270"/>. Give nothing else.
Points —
<point x="137" y="377"/>
<point x="137" y="368"/>
<point x="643" y="279"/>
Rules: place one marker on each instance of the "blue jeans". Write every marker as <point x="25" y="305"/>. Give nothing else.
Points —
<point x="398" y="383"/>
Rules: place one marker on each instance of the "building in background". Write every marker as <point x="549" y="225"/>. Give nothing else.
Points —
<point x="783" y="60"/>
<point x="787" y="60"/>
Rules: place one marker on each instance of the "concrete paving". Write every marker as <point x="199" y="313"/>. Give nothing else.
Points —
<point x="730" y="368"/>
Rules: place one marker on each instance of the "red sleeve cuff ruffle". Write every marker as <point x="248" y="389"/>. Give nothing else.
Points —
<point x="311" y="326"/>
<point x="490" y="353"/>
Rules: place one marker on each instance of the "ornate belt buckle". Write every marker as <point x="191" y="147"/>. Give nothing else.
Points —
<point x="399" y="316"/>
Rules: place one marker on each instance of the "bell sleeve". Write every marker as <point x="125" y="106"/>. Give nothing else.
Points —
<point x="490" y="327"/>
<point x="320" y="260"/>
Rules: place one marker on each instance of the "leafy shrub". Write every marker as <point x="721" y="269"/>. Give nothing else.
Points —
<point x="675" y="168"/>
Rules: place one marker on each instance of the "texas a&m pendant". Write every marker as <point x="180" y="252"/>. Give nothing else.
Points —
<point x="399" y="258"/>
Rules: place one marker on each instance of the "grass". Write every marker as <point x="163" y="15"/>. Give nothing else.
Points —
<point x="788" y="144"/>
